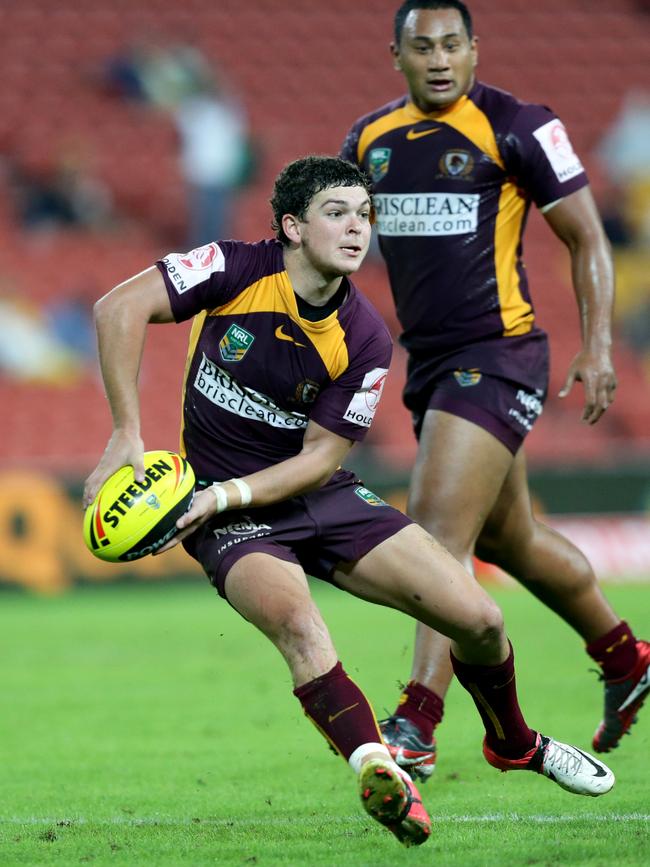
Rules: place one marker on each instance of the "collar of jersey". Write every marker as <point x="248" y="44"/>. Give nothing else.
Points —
<point x="330" y="321"/>
<point x="417" y="115"/>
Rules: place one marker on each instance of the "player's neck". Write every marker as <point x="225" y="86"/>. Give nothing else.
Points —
<point x="441" y="110"/>
<point x="318" y="312"/>
<point x="309" y="284"/>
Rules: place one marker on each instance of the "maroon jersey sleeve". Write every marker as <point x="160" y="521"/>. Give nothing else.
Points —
<point x="350" y="145"/>
<point x="538" y="152"/>
<point x="348" y="404"/>
<point x="214" y="274"/>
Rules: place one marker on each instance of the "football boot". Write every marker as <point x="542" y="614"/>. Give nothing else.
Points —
<point x="402" y="737"/>
<point x="391" y="798"/>
<point x="565" y="765"/>
<point x="623" y="699"/>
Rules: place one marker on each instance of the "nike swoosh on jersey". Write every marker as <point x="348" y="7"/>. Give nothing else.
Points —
<point x="600" y="771"/>
<point x="412" y="134"/>
<point x="334" y="716"/>
<point x="279" y="333"/>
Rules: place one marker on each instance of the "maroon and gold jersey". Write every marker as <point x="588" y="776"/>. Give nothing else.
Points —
<point x="257" y="372"/>
<point x="452" y="193"/>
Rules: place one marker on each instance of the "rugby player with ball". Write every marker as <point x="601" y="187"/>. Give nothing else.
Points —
<point x="285" y="370"/>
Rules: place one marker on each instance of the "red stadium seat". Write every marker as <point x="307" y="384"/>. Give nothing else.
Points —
<point x="50" y="95"/>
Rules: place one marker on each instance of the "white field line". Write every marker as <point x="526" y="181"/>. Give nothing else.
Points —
<point x="167" y="821"/>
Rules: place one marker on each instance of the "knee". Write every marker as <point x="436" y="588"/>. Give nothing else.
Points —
<point x="511" y="547"/>
<point x="496" y="542"/>
<point x="299" y="626"/>
<point x="487" y="627"/>
<point x="538" y="557"/>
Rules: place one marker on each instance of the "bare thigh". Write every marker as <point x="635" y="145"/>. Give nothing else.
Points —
<point x="411" y="572"/>
<point x="458" y="474"/>
<point x="510" y="523"/>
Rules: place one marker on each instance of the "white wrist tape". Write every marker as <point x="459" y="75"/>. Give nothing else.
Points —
<point x="244" y="491"/>
<point x="221" y="495"/>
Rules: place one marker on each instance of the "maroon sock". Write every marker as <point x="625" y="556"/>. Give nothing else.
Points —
<point x="339" y="710"/>
<point x="422" y="707"/>
<point x="615" y="652"/>
<point x="494" y="690"/>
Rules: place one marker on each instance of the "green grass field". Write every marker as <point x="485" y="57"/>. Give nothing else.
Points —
<point x="149" y="724"/>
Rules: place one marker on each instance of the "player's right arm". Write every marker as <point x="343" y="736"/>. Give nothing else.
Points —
<point x="576" y="222"/>
<point x="538" y="152"/>
<point x="321" y="454"/>
<point x="121" y="319"/>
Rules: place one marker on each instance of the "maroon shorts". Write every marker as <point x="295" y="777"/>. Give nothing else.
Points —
<point x="338" y="523"/>
<point x="505" y="399"/>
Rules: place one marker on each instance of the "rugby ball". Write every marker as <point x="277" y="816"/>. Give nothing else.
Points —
<point x="128" y="520"/>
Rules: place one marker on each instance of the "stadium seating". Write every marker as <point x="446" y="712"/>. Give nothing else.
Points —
<point x="304" y="72"/>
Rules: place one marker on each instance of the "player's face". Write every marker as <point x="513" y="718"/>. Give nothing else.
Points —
<point x="436" y="56"/>
<point x="336" y="230"/>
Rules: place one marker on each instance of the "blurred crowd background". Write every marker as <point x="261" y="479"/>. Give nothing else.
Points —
<point x="131" y="129"/>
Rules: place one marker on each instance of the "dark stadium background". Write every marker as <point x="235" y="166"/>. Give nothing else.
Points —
<point x="304" y="71"/>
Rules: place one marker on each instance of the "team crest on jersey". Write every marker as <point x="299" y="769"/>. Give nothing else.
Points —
<point x="307" y="391"/>
<point x="378" y="162"/>
<point x="456" y="164"/>
<point x="368" y="497"/>
<point x="235" y="343"/>
<point x="465" y="378"/>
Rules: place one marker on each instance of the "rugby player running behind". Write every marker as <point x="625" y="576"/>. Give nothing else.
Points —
<point x="455" y="165"/>
<point x="285" y="368"/>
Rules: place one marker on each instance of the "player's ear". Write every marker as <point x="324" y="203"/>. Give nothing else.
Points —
<point x="394" y="50"/>
<point x="291" y="228"/>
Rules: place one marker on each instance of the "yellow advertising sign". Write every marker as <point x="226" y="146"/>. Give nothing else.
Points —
<point x="41" y="544"/>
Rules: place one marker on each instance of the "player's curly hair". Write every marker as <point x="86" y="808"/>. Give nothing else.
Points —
<point x="410" y="5"/>
<point x="302" y="179"/>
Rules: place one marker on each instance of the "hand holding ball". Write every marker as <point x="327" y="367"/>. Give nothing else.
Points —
<point x="128" y="519"/>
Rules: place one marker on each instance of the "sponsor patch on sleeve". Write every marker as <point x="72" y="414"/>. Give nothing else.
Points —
<point x="187" y="270"/>
<point x="364" y="402"/>
<point x="555" y="143"/>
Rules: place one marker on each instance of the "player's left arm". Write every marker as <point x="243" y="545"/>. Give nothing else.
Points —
<point x="322" y="453"/>
<point x="121" y="319"/>
<point x="576" y="221"/>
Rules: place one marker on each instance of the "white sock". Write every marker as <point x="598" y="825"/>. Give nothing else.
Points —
<point x="356" y="759"/>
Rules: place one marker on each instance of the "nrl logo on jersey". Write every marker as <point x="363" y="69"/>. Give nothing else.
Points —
<point x="368" y="497"/>
<point x="235" y="343"/>
<point x="456" y="164"/>
<point x="378" y="162"/>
